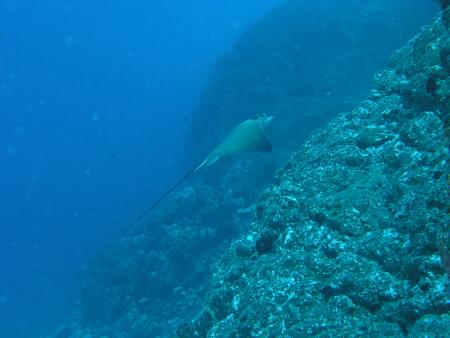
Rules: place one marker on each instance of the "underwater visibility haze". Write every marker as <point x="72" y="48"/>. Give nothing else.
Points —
<point x="95" y="100"/>
<point x="333" y="222"/>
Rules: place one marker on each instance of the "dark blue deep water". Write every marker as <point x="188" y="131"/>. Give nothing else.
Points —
<point x="96" y="98"/>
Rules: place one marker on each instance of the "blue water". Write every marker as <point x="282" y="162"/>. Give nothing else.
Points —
<point x="95" y="97"/>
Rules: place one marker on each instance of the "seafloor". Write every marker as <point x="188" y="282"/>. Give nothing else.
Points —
<point x="351" y="239"/>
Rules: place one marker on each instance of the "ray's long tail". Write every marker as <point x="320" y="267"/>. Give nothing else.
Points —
<point x="155" y="203"/>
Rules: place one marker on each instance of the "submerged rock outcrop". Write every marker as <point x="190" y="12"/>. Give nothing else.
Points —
<point x="353" y="238"/>
<point x="151" y="280"/>
<point x="303" y="63"/>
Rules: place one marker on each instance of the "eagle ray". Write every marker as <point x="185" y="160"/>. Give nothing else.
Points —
<point x="248" y="136"/>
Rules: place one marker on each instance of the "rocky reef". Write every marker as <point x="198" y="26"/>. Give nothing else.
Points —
<point x="353" y="237"/>
<point x="146" y="283"/>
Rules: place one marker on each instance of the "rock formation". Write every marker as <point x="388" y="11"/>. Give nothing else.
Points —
<point x="353" y="238"/>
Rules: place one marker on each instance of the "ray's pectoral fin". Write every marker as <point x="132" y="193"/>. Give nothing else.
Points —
<point x="249" y="136"/>
<point x="262" y="144"/>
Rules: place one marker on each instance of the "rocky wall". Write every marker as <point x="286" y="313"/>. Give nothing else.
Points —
<point x="353" y="238"/>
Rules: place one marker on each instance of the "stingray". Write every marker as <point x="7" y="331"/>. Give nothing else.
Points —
<point x="248" y="136"/>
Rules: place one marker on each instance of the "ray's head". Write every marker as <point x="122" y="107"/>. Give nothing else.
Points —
<point x="262" y="118"/>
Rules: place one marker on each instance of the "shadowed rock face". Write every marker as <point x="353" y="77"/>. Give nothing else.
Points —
<point x="444" y="3"/>
<point x="353" y="238"/>
<point x="303" y="63"/>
